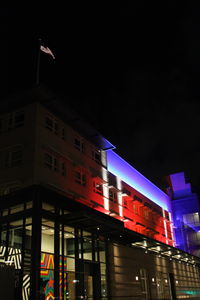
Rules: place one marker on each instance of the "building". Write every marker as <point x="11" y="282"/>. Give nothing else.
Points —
<point x="186" y="211"/>
<point x="77" y="221"/>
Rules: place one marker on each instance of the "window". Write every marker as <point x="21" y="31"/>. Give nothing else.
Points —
<point x="135" y="209"/>
<point x="125" y="203"/>
<point x="127" y="192"/>
<point x="113" y="195"/>
<point x="96" y="156"/>
<point x="51" y="124"/>
<point x="13" y="157"/>
<point x="79" y="144"/>
<point x="51" y="162"/>
<point x="191" y="219"/>
<point x="63" y="168"/>
<point x="16" y="120"/>
<point x="63" y="133"/>
<point x="80" y="178"/>
<point x="146" y="214"/>
<point x="55" y="162"/>
<point x="98" y="188"/>
<point x="19" y="119"/>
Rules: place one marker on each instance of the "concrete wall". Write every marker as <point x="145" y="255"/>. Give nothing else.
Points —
<point x="133" y="274"/>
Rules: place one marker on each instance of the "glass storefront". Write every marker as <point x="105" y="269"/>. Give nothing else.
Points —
<point x="71" y="262"/>
<point x="81" y="263"/>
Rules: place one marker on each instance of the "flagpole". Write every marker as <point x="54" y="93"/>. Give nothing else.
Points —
<point x="38" y="64"/>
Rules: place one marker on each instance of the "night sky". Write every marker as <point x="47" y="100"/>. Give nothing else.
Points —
<point x="133" y="72"/>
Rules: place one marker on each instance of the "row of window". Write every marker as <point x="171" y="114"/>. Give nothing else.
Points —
<point x="54" y="163"/>
<point x="57" y="164"/>
<point x="52" y="124"/>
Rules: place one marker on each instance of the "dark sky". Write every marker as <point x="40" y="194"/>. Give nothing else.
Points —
<point x="132" y="71"/>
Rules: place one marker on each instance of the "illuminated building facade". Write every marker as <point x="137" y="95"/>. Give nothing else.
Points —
<point x="186" y="211"/>
<point x="77" y="221"/>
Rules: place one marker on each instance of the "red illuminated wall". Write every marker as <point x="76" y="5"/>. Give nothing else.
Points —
<point x="138" y="212"/>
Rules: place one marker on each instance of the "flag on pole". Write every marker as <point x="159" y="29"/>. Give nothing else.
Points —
<point x="46" y="50"/>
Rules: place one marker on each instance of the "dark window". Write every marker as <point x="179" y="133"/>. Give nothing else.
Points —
<point x="16" y="120"/>
<point x="16" y="158"/>
<point x="80" y="178"/>
<point x="96" y="156"/>
<point x="63" y="169"/>
<point x="13" y="157"/>
<point x="63" y="133"/>
<point x="19" y="119"/>
<point x="127" y="192"/>
<point x="79" y="144"/>
<point x="51" y="162"/>
<point x="98" y="188"/>
<point x="51" y="124"/>
<point x="113" y="195"/>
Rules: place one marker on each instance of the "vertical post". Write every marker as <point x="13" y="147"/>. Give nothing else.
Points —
<point x="108" y="268"/>
<point x="38" y="64"/>
<point x="172" y="286"/>
<point x="56" y="255"/>
<point x="36" y="246"/>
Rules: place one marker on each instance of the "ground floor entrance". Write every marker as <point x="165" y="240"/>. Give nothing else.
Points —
<point x="59" y="250"/>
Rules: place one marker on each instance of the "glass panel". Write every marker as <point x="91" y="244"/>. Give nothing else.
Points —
<point x="70" y="285"/>
<point x="103" y="269"/>
<point x="102" y="255"/>
<point x="17" y="208"/>
<point x="29" y="205"/>
<point x="87" y="248"/>
<point x="96" y="249"/>
<point x="88" y="284"/>
<point x="48" y="207"/>
<point x="3" y="234"/>
<point x="5" y="212"/>
<point x="15" y="234"/>
<point x="69" y="241"/>
<point x="47" y="238"/>
<point x="47" y="261"/>
<point x="27" y="246"/>
<point x="46" y="284"/>
<point x="70" y="264"/>
<point x="103" y="286"/>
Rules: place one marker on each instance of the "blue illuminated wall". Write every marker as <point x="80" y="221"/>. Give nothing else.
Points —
<point x="120" y="168"/>
<point x="185" y="212"/>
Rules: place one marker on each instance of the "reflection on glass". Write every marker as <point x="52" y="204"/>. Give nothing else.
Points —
<point x="87" y="249"/>
<point x="103" y="286"/>
<point x="102" y="255"/>
<point x="15" y="234"/>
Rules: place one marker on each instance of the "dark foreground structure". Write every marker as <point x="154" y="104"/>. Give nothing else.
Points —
<point x="72" y="225"/>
